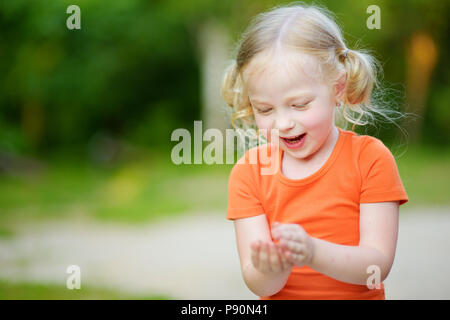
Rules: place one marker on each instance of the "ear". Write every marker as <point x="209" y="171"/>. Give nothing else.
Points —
<point x="340" y="86"/>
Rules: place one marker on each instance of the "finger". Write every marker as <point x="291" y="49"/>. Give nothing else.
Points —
<point x="274" y="259"/>
<point x="294" y="236"/>
<point x="295" y="247"/>
<point x="255" y="247"/>
<point x="281" y="233"/>
<point x="277" y="227"/>
<point x="282" y="251"/>
<point x="264" y="257"/>
<point x="279" y="249"/>
<point x="298" y="257"/>
<point x="295" y="228"/>
<point x="284" y="244"/>
<point x="284" y="261"/>
<point x="275" y="234"/>
<point x="284" y="236"/>
<point x="289" y="257"/>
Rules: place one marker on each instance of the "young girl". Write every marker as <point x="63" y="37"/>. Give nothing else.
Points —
<point x="325" y="225"/>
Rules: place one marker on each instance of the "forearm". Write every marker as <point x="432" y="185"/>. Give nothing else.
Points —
<point x="263" y="284"/>
<point x="347" y="263"/>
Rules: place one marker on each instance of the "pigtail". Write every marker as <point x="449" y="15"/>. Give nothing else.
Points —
<point x="361" y="76"/>
<point x="364" y="99"/>
<point x="229" y="89"/>
<point x="235" y="95"/>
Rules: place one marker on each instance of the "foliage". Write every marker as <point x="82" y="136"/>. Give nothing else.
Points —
<point x="133" y="70"/>
<point x="131" y="66"/>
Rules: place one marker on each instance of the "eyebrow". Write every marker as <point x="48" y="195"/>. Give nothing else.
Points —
<point x="288" y="99"/>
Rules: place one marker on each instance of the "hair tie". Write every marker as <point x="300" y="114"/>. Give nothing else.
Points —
<point x="345" y="53"/>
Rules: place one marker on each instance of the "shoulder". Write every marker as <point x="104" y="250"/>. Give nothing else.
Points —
<point x="253" y="160"/>
<point x="374" y="157"/>
<point x="380" y="177"/>
<point x="254" y="157"/>
<point x="374" y="148"/>
<point x="246" y="164"/>
<point x="365" y="145"/>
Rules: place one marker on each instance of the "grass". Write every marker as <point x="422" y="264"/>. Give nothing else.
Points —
<point x="37" y="291"/>
<point x="137" y="191"/>
<point x="425" y="172"/>
<point x="5" y="233"/>
<point x="152" y="187"/>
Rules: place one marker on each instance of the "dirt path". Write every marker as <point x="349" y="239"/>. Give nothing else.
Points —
<point x="195" y="257"/>
<point x="421" y="267"/>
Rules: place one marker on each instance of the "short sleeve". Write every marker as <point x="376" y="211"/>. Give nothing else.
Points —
<point x="243" y="199"/>
<point x="380" y="178"/>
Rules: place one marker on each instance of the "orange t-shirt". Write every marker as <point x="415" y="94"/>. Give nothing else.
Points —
<point x="360" y="169"/>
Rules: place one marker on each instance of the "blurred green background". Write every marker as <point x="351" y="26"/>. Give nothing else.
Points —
<point x="86" y="115"/>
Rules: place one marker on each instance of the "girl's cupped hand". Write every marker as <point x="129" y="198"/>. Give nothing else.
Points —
<point x="296" y="245"/>
<point x="267" y="257"/>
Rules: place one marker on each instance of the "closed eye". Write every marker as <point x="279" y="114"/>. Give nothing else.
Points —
<point x="301" y="106"/>
<point x="264" y="111"/>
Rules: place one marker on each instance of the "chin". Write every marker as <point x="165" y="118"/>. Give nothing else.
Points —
<point x="302" y="153"/>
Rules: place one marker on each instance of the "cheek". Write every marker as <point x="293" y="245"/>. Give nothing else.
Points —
<point x="263" y="122"/>
<point x="314" y="121"/>
<point x="323" y="114"/>
<point x="319" y="119"/>
<point x="265" y="125"/>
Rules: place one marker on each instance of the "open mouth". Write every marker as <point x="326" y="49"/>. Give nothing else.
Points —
<point x="295" y="142"/>
<point x="295" y="139"/>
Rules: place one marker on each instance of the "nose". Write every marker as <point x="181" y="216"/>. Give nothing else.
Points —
<point x="284" y="122"/>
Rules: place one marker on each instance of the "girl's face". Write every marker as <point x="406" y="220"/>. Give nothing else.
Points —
<point x="291" y="98"/>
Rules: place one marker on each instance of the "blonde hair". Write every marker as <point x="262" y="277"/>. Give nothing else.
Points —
<point x="309" y="29"/>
